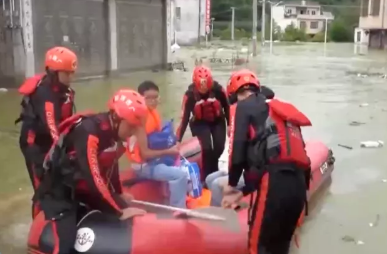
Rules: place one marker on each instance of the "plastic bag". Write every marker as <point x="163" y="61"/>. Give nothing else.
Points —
<point x="193" y="175"/>
<point x="161" y="140"/>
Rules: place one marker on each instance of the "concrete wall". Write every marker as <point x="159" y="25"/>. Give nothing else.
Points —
<point x="79" y="25"/>
<point x="107" y="35"/>
<point x="12" y="64"/>
<point x="141" y="38"/>
<point x="280" y="20"/>
<point x="312" y="26"/>
<point x="361" y="36"/>
<point x="377" y="39"/>
<point x="187" y="27"/>
<point x="373" y="21"/>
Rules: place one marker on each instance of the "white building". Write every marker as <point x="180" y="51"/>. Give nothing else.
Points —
<point x="305" y="15"/>
<point x="188" y="20"/>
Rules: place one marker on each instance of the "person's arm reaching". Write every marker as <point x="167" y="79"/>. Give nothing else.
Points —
<point x="225" y="104"/>
<point x="86" y="147"/>
<point x="187" y="107"/>
<point x="48" y="110"/>
<point x="146" y="153"/>
<point x="239" y="129"/>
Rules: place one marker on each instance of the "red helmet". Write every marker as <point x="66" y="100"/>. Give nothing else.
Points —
<point x="129" y="105"/>
<point x="202" y="78"/>
<point x="242" y="78"/>
<point x="61" y="59"/>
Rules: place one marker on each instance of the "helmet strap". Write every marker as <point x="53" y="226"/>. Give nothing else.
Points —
<point x="115" y="123"/>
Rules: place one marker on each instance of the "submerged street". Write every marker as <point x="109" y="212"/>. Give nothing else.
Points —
<point x="345" y="109"/>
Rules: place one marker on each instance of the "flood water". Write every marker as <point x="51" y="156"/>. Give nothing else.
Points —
<point x="320" y="80"/>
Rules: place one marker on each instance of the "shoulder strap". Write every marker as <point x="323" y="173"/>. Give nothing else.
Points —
<point x="64" y="128"/>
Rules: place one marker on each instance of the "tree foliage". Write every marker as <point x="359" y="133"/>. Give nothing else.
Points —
<point x="340" y="32"/>
<point x="291" y="33"/>
<point x="346" y="14"/>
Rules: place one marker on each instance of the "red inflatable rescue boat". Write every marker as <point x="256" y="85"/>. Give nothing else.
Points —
<point x="160" y="231"/>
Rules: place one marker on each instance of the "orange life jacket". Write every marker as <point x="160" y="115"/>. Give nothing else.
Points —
<point x="284" y="141"/>
<point x="207" y="110"/>
<point x="153" y="123"/>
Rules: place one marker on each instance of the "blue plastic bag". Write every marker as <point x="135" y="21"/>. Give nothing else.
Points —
<point x="193" y="175"/>
<point x="160" y="140"/>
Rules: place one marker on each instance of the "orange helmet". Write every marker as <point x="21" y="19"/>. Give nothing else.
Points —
<point x="202" y="78"/>
<point x="129" y="106"/>
<point x="61" y="59"/>
<point x="242" y="78"/>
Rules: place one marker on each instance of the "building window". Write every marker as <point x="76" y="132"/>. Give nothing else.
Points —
<point x="313" y="25"/>
<point x="302" y="12"/>
<point x="302" y="25"/>
<point x="364" y="8"/>
<point x="375" y="7"/>
<point x="178" y="19"/>
<point x="178" y="12"/>
<point x="288" y="11"/>
<point x="358" y="36"/>
<point x="313" y="12"/>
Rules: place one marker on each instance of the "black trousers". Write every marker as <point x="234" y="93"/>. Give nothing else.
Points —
<point x="62" y="216"/>
<point x="277" y="206"/>
<point x="34" y="157"/>
<point x="212" y="138"/>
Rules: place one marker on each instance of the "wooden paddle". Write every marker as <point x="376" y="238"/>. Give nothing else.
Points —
<point x="188" y="212"/>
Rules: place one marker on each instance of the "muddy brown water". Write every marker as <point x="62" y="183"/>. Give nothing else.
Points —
<point x="320" y="80"/>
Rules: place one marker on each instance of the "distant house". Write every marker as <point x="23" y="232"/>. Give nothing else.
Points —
<point x="188" y="20"/>
<point x="372" y="24"/>
<point x="305" y="15"/>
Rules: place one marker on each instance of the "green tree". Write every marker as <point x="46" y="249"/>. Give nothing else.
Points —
<point x="339" y="32"/>
<point x="319" y="37"/>
<point x="347" y="11"/>
<point x="292" y="33"/>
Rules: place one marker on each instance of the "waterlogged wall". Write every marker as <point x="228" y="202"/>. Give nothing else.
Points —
<point x="141" y="27"/>
<point x="133" y="36"/>
<point x="81" y="25"/>
<point x="107" y="35"/>
<point x="11" y="44"/>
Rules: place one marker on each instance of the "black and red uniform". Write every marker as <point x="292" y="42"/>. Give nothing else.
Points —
<point x="266" y="143"/>
<point x="45" y="104"/>
<point x="82" y="166"/>
<point x="210" y="114"/>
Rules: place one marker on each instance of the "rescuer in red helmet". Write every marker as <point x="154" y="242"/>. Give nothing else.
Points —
<point x="73" y="164"/>
<point x="267" y="144"/>
<point x="47" y="101"/>
<point x="205" y="108"/>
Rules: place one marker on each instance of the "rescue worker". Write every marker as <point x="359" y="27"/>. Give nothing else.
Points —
<point x="217" y="180"/>
<point x="176" y="178"/>
<point x="47" y="101"/>
<point x="206" y="100"/>
<point x="266" y="142"/>
<point x="74" y="159"/>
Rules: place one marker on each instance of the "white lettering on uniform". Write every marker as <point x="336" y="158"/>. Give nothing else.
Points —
<point x="231" y="141"/>
<point x="51" y="124"/>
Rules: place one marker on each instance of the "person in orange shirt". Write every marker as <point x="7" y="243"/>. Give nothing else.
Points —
<point x="177" y="179"/>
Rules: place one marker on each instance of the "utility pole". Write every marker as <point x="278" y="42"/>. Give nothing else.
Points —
<point x="199" y="21"/>
<point x="263" y="22"/>
<point x="232" y="22"/>
<point x="254" y="32"/>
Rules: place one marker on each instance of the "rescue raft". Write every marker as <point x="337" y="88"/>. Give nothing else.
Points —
<point x="162" y="232"/>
